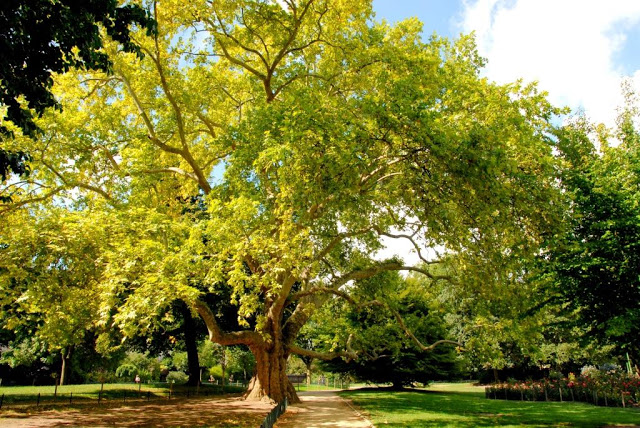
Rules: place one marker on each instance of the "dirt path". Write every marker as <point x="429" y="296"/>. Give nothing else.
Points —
<point x="215" y="412"/>
<point x="321" y="409"/>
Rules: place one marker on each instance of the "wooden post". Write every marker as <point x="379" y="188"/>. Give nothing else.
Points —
<point x="560" y="389"/>
<point x="546" y="397"/>
<point x="621" y="395"/>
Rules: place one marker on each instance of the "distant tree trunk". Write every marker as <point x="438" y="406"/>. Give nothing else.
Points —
<point x="307" y="362"/>
<point x="65" y="353"/>
<point x="397" y="385"/>
<point x="223" y="364"/>
<point x="191" y="344"/>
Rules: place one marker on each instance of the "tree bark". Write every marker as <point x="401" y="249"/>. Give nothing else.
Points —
<point x="270" y="381"/>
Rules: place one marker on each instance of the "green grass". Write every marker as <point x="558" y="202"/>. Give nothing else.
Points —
<point x="463" y="405"/>
<point x="111" y="392"/>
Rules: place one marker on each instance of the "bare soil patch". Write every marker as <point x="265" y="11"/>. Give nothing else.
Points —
<point x="196" y="412"/>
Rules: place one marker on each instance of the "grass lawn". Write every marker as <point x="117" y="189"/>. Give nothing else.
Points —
<point x="464" y="405"/>
<point x="111" y="392"/>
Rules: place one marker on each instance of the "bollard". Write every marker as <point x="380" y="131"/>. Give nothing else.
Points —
<point x="621" y="395"/>
<point x="560" y="389"/>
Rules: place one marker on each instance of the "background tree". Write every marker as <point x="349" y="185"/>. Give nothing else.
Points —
<point x="592" y="268"/>
<point x="41" y="37"/>
<point x="49" y="268"/>
<point x="330" y="132"/>
<point x="389" y="337"/>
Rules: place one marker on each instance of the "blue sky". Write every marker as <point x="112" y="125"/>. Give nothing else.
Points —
<point x="578" y="50"/>
<point x="440" y="16"/>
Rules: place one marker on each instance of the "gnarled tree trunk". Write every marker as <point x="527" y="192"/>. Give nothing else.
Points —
<point x="270" y="381"/>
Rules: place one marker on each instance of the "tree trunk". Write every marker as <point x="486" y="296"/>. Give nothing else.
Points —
<point x="270" y="381"/>
<point x="65" y="367"/>
<point x="397" y="385"/>
<point x="191" y="345"/>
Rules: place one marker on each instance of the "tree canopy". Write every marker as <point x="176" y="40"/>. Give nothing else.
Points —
<point x="261" y="151"/>
<point x="593" y="267"/>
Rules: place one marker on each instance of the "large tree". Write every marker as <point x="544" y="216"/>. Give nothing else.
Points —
<point x="309" y="133"/>
<point x="592" y="268"/>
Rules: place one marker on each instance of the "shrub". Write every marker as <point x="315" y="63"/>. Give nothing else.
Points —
<point x="179" y="378"/>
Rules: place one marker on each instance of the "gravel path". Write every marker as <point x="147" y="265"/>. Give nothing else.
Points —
<point x="320" y="409"/>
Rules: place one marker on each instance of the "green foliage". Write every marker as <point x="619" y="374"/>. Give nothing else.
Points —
<point x="179" y="378"/>
<point x="592" y="269"/>
<point x="179" y="361"/>
<point x="216" y="372"/>
<point x="145" y="366"/>
<point x="43" y="37"/>
<point x="385" y="352"/>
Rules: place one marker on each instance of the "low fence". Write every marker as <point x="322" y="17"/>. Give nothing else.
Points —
<point x="274" y="414"/>
<point x="556" y="391"/>
<point x="111" y="396"/>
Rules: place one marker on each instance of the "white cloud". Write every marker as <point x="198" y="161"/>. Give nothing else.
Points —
<point x="566" y="45"/>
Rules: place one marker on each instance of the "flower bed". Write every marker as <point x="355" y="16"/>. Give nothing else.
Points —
<point x="603" y="389"/>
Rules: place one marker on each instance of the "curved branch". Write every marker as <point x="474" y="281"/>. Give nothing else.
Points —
<point x="412" y="336"/>
<point x="410" y="239"/>
<point x="349" y="354"/>
<point x="5" y="208"/>
<point x="225" y="338"/>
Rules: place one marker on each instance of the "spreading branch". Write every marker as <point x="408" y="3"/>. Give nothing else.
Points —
<point x="217" y="335"/>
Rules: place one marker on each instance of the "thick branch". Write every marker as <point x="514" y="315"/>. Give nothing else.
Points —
<point x="225" y="338"/>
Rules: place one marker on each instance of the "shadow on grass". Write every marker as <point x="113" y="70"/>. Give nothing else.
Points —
<point x="418" y="408"/>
